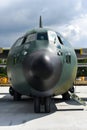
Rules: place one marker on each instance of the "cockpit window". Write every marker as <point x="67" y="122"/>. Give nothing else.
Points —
<point x="63" y="41"/>
<point x="52" y="37"/>
<point x="42" y="36"/>
<point x="18" y="42"/>
<point x="30" y="38"/>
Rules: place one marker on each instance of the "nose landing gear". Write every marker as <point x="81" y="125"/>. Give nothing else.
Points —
<point x="42" y="102"/>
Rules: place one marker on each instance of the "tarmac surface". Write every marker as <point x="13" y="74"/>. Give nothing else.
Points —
<point x="19" y="115"/>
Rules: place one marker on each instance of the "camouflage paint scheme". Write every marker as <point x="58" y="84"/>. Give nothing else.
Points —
<point x="63" y="50"/>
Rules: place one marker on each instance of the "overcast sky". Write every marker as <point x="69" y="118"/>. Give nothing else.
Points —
<point x="69" y="17"/>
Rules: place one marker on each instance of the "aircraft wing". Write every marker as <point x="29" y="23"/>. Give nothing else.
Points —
<point x="81" y="53"/>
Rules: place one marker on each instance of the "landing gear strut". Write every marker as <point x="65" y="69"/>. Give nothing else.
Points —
<point x="47" y="105"/>
<point x="38" y="102"/>
<point x="37" y="105"/>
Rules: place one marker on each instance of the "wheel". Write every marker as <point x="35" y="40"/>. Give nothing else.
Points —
<point x="16" y="96"/>
<point x="11" y="91"/>
<point x="72" y="90"/>
<point x="66" y="96"/>
<point x="47" y="104"/>
<point x="37" y="105"/>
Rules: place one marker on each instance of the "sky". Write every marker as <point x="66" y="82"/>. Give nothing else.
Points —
<point x="68" y="17"/>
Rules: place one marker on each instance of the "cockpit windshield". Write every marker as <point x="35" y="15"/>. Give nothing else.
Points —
<point x="42" y="36"/>
<point x="52" y="37"/>
<point x="31" y="37"/>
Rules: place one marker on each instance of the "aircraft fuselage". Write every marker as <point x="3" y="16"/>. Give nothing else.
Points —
<point x="41" y="64"/>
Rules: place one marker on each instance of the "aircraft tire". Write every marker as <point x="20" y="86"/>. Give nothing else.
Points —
<point x="37" y="105"/>
<point x="11" y="91"/>
<point x="16" y="96"/>
<point x="66" y="96"/>
<point x="72" y="90"/>
<point x="47" y="104"/>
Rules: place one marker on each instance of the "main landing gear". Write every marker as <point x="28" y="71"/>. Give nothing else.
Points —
<point x="15" y="94"/>
<point x="66" y="96"/>
<point x="42" y="102"/>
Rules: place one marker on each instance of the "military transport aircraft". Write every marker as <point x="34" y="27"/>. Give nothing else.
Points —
<point x="41" y="64"/>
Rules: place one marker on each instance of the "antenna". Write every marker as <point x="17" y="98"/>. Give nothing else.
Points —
<point x="40" y="22"/>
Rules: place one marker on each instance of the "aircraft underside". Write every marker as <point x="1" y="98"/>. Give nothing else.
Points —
<point x="41" y="104"/>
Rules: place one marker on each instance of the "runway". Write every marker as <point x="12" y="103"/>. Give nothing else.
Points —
<point x="19" y="115"/>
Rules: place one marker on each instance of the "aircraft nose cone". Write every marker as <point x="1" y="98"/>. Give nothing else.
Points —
<point x="42" y="66"/>
<point x="42" y="70"/>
